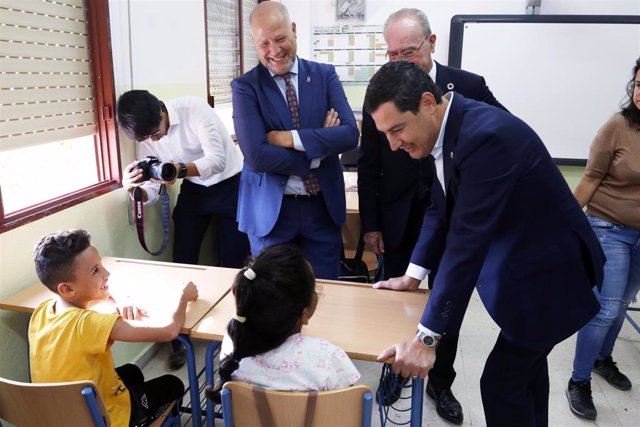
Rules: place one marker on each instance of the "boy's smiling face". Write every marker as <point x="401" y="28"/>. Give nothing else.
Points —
<point x="90" y="278"/>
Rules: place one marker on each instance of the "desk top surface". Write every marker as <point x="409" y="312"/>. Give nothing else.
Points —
<point x="361" y="320"/>
<point x="148" y="284"/>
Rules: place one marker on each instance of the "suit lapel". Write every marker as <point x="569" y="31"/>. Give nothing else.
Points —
<point x="275" y="97"/>
<point x="450" y="137"/>
<point x="443" y="79"/>
<point x="305" y="91"/>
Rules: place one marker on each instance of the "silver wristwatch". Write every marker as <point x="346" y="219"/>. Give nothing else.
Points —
<point x="428" y="340"/>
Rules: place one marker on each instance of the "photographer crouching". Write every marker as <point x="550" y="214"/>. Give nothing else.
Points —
<point x="188" y="135"/>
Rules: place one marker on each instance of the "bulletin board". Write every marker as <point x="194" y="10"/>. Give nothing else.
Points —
<point x="564" y="75"/>
<point x="356" y="51"/>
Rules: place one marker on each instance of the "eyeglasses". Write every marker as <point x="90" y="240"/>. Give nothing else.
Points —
<point x="150" y="136"/>
<point x="407" y="53"/>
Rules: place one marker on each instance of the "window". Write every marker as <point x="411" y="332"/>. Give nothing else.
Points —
<point x="58" y="142"/>
<point x="230" y="50"/>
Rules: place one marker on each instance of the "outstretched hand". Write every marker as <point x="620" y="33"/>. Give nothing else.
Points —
<point x="190" y="292"/>
<point x="412" y="359"/>
<point x="404" y="283"/>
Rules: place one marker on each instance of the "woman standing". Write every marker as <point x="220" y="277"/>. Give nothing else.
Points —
<point x="610" y="188"/>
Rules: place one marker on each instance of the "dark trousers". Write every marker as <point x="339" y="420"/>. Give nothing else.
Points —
<point x="197" y="205"/>
<point x="396" y="259"/>
<point x="515" y="385"/>
<point x="149" y="399"/>
<point x="305" y="221"/>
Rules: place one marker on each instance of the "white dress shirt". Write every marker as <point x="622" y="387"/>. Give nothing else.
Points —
<point x="195" y="135"/>
<point x="414" y="270"/>
<point x="294" y="183"/>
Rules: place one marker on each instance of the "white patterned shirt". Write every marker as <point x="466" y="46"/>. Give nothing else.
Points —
<point x="301" y="363"/>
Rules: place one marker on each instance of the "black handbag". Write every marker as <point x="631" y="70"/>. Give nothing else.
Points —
<point x="354" y="269"/>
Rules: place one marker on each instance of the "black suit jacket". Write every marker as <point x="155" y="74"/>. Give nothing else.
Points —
<point x="388" y="180"/>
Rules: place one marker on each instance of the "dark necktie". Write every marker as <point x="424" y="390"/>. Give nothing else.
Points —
<point x="311" y="184"/>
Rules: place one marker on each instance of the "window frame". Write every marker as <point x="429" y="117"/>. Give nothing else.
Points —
<point x="105" y="138"/>
<point x="241" y="35"/>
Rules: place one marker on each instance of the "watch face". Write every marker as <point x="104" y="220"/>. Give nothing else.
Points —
<point x="428" y="340"/>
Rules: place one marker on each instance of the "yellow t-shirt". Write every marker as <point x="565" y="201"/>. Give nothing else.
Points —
<point x="74" y="345"/>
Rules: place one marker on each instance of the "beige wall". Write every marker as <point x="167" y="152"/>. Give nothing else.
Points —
<point x="165" y="71"/>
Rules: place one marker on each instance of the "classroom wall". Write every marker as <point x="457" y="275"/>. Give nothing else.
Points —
<point x="307" y="13"/>
<point x="159" y="45"/>
<point x="168" y="40"/>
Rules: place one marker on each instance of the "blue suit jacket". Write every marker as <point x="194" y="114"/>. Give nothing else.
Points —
<point x="510" y="227"/>
<point x="258" y="108"/>
<point x="388" y="180"/>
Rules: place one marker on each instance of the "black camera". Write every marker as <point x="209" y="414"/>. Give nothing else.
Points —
<point x="152" y="167"/>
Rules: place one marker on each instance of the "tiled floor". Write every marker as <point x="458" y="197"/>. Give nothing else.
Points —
<point x="478" y="334"/>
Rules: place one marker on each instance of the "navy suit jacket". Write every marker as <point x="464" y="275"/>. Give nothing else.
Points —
<point x="388" y="180"/>
<point x="258" y="108"/>
<point x="510" y="227"/>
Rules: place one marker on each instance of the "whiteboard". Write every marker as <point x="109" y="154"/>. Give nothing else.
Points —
<point x="563" y="75"/>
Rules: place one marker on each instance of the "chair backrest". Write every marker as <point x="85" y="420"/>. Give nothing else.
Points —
<point x="346" y="407"/>
<point x="50" y="404"/>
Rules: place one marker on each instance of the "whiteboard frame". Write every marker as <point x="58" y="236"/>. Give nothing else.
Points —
<point x="457" y="30"/>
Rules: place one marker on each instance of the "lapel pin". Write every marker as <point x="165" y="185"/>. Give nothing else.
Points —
<point x="451" y="155"/>
<point x="308" y="79"/>
<point x="450" y="86"/>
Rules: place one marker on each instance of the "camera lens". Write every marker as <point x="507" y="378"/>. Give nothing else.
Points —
<point x="164" y="171"/>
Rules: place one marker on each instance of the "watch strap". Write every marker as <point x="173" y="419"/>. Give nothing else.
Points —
<point x="183" y="170"/>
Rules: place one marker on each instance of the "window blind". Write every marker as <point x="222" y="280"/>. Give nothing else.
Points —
<point x="224" y="47"/>
<point x="46" y="86"/>
<point x="249" y="56"/>
<point x="223" y="32"/>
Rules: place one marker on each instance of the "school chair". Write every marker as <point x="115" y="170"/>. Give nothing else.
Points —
<point x="68" y="404"/>
<point x="244" y="405"/>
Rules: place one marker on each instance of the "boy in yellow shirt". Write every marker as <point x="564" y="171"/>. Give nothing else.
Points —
<point x="70" y="342"/>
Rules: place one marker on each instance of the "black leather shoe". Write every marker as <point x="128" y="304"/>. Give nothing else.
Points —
<point x="390" y="388"/>
<point x="580" y="401"/>
<point x="609" y="371"/>
<point x="447" y="406"/>
<point x="178" y="356"/>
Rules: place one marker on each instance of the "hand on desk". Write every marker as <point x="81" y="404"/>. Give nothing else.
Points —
<point x="412" y="359"/>
<point x="404" y="283"/>
<point x="123" y="307"/>
<point x="131" y="312"/>
<point x="189" y="293"/>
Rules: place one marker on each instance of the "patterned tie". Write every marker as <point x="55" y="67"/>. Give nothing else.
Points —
<point x="292" y="100"/>
<point x="311" y="184"/>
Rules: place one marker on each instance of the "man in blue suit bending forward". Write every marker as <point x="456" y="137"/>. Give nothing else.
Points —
<point x="502" y="221"/>
<point x="292" y="120"/>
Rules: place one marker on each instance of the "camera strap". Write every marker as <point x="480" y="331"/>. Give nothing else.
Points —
<point x="138" y="214"/>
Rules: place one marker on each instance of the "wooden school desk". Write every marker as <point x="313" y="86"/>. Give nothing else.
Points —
<point x="154" y="286"/>
<point x="361" y="320"/>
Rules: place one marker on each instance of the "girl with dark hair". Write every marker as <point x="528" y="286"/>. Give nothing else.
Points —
<point x="610" y="188"/>
<point x="275" y="297"/>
